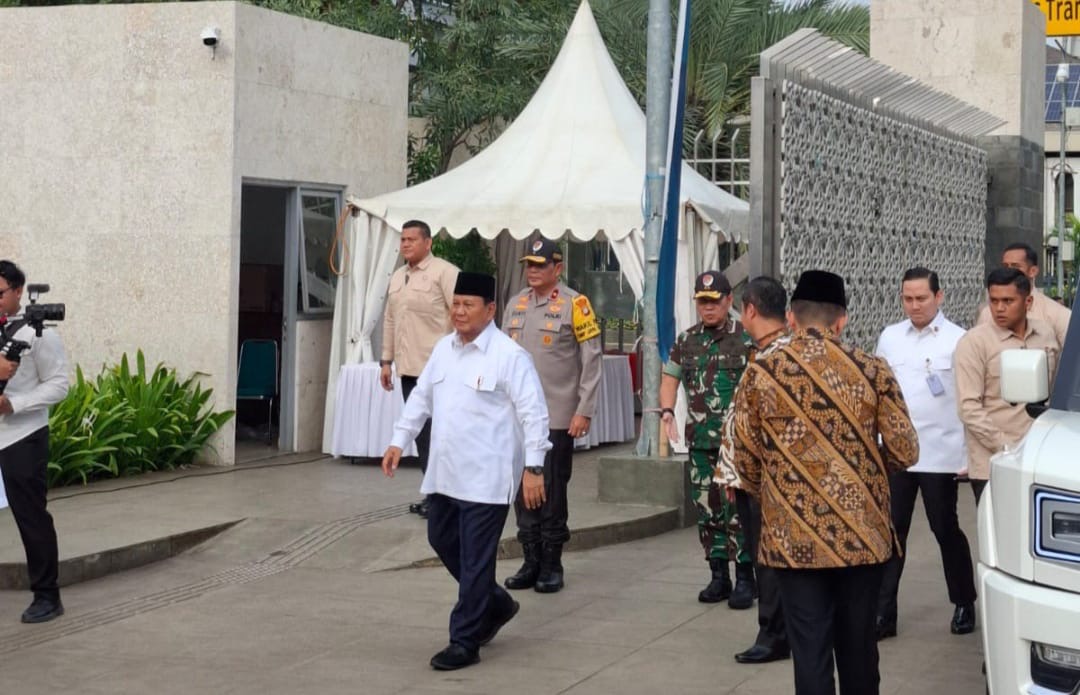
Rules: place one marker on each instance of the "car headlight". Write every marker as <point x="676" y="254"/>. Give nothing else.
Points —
<point x="1057" y="525"/>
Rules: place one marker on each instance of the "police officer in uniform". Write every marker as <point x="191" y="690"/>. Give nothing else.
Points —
<point x="559" y="329"/>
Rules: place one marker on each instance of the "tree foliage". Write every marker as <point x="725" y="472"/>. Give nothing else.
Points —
<point x="477" y="62"/>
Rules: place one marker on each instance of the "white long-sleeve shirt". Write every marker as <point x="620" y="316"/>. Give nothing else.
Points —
<point x="40" y="381"/>
<point x="915" y="357"/>
<point x="488" y="417"/>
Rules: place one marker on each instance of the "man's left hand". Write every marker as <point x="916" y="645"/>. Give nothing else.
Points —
<point x="7" y="368"/>
<point x="5" y="406"/>
<point x="579" y="426"/>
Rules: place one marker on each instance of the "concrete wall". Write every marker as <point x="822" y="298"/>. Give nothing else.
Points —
<point x="123" y="148"/>
<point x="316" y="104"/>
<point x="991" y="54"/>
<point x="117" y="162"/>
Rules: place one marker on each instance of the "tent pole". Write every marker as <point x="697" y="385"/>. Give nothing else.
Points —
<point x="657" y="106"/>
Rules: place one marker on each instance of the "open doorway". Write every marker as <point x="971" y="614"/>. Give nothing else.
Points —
<point x="286" y="309"/>
<point x="264" y="214"/>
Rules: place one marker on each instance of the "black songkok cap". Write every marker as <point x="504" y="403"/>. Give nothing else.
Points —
<point x="475" y="285"/>
<point x="820" y="286"/>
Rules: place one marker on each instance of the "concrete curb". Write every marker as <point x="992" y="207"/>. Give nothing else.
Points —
<point x="95" y="565"/>
<point x="587" y="538"/>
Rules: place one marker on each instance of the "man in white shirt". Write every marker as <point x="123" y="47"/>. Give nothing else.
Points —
<point x="36" y="382"/>
<point x="920" y="352"/>
<point x="489" y="432"/>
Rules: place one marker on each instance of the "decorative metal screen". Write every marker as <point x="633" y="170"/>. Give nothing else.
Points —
<point x="868" y="196"/>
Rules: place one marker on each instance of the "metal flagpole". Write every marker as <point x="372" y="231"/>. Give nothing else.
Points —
<point x="657" y="103"/>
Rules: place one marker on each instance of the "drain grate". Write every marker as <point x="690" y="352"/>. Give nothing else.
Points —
<point x="293" y="554"/>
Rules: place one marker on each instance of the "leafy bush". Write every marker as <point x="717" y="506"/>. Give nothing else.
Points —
<point x="469" y="253"/>
<point x="125" y="423"/>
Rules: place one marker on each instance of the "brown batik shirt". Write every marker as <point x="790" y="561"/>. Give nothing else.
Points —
<point x="819" y="425"/>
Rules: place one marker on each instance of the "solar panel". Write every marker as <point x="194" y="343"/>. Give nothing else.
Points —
<point x="1053" y="92"/>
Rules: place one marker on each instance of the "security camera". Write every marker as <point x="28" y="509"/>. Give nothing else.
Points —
<point x="210" y="36"/>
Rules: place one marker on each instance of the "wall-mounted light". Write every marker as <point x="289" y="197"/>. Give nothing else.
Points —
<point x="210" y="37"/>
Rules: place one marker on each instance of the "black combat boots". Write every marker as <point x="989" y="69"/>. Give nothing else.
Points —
<point x="551" y="571"/>
<point x="720" y="586"/>
<point x="742" y="596"/>
<point x="530" y="568"/>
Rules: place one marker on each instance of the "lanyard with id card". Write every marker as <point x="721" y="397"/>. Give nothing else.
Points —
<point x="937" y="389"/>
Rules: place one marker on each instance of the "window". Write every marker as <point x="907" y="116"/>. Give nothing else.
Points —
<point x="318" y="234"/>
<point x="1069" y="206"/>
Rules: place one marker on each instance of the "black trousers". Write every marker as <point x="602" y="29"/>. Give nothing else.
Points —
<point x="23" y="465"/>
<point x="423" y="440"/>
<point x="977" y="486"/>
<point x="831" y="611"/>
<point x="939" y="491"/>
<point x="771" y="632"/>
<point x="465" y="536"/>
<point x="548" y="523"/>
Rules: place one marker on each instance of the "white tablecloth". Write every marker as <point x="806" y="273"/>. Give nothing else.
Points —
<point x="614" y="417"/>
<point x="365" y="413"/>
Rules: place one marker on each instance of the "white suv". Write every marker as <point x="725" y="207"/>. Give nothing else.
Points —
<point x="1029" y="535"/>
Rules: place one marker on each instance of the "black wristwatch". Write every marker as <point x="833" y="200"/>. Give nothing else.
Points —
<point x="667" y="410"/>
<point x="535" y="470"/>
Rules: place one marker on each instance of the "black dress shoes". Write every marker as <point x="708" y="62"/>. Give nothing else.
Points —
<point x="43" y="610"/>
<point x="454" y="657"/>
<point x="963" y="620"/>
<point x="497" y="624"/>
<point x="884" y="628"/>
<point x="760" y="654"/>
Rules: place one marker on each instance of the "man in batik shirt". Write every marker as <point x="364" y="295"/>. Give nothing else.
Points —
<point x="819" y="425"/>
<point x="764" y="305"/>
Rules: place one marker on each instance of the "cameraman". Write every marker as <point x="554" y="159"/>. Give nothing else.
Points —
<point x="38" y="381"/>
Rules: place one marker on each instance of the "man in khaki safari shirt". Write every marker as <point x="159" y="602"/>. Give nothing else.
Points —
<point x="990" y="423"/>
<point x="1023" y="258"/>
<point x="417" y="316"/>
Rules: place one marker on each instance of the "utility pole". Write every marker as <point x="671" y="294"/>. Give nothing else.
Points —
<point x="657" y="105"/>
<point x="1062" y="78"/>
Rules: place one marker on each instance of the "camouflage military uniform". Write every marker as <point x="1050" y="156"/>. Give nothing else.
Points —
<point x="709" y="362"/>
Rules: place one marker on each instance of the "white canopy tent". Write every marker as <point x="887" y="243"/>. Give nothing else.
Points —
<point x="572" y="163"/>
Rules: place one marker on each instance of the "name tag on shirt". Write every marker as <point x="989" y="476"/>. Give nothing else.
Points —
<point x="936" y="387"/>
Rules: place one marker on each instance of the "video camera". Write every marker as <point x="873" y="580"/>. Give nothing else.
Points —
<point x="34" y="315"/>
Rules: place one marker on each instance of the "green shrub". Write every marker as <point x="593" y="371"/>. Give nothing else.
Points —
<point x="128" y="422"/>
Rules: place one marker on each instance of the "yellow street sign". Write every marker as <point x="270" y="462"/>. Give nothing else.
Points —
<point x="1062" y="16"/>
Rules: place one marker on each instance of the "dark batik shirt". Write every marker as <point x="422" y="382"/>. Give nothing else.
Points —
<point x="819" y="425"/>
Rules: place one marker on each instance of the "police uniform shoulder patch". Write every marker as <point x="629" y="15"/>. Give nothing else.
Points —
<point x="585" y="325"/>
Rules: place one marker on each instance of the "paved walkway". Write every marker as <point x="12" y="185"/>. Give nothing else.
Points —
<point x="290" y="601"/>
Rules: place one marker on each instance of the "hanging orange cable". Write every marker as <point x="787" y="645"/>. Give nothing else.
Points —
<point x="342" y="242"/>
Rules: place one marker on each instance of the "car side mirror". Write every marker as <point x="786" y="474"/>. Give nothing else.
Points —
<point x="1025" y="378"/>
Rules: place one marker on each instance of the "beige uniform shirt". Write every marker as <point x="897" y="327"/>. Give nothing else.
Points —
<point x="989" y="422"/>
<point x="1042" y="308"/>
<point x="417" y="313"/>
<point x="561" y="333"/>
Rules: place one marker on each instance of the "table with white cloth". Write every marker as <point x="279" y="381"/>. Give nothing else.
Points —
<point x="613" y="420"/>
<point x="365" y="412"/>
